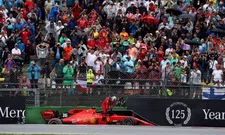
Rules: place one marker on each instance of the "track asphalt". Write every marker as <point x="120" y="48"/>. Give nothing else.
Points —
<point x="107" y="130"/>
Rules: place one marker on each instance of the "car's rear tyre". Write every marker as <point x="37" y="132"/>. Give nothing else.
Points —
<point x="129" y="121"/>
<point x="55" y="121"/>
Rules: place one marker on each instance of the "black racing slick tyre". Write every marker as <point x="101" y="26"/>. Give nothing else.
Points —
<point x="55" y="121"/>
<point x="129" y="121"/>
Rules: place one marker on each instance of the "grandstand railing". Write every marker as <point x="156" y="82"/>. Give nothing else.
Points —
<point x="51" y="94"/>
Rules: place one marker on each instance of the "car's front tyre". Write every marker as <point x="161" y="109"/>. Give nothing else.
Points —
<point x="55" y="121"/>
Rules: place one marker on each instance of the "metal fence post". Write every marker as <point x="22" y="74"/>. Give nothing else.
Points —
<point x="60" y="96"/>
<point x="37" y="98"/>
<point x="164" y="87"/>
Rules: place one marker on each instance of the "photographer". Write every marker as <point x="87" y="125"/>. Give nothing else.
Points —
<point x="68" y="72"/>
<point x="154" y="73"/>
<point x="82" y="51"/>
<point x="33" y="71"/>
<point x="58" y="53"/>
<point x="98" y="65"/>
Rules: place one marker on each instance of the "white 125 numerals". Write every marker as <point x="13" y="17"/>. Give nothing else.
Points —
<point x="178" y="114"/>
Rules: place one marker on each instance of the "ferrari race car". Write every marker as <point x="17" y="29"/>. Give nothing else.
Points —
<point x="91" y="117"/>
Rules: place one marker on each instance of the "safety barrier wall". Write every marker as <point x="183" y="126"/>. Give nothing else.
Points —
<point x="179" y="112"/>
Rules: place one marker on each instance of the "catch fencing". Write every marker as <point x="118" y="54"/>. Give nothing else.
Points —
<point x="78" y="93"/>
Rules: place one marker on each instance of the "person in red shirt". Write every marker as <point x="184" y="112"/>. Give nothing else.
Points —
<point x="25" y="34"/>
<point x="108" y="104"/>
<point x="82" y="22"/>
<point x="76" y="11"/>
<point x="29" y="4"/>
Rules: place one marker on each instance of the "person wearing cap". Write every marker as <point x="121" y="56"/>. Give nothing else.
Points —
<point x="132" y="8"/>
<point x="59" y="28"/>
<point x="142" y="8"/>
<point x="111" y="10"/>
<point x="67" y="51"/>
<point x="16" y="55"/>
<point x="33" y="71"/>
<point x="124" y="35"/>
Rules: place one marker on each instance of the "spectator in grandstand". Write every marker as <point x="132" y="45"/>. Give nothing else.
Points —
<point x="42" y="53"/>
<point x="33" y="74"/>
<point x="9" y="63"/>
<point x="142" y="30"/>
<point x="17" y="57"/>
<point x="68" y="81"/>
<point x="195" y="79"/>
<point x="57" y="73"/>
<point x="166" y="72"/>
<point x="212" y="66"/>
<point x="90" y="80"/>
<point x="67" y="52"/>
<point x="58" y="53"/>
<point x="13" y="77"/>
<point x="217" y="75"/>
<point x="98" y="65"/>
<point x="141" y="74"/>
<point x="91" y="57"/>
<point x="129" y="65"/>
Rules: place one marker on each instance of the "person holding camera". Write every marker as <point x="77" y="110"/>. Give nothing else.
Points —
<point x="68" y="72"/>
<point x="58" y="53"/>
<point x="33" y="71"/>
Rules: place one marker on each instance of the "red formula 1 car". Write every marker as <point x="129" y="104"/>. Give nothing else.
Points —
<point x="91" y="117"/>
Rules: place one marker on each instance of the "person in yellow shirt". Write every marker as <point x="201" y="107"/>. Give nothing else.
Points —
<point x="124" y="35"/>
<point x="90" y="79"/>
<point x="94" y="33"/>
<point x="131" y="39"/>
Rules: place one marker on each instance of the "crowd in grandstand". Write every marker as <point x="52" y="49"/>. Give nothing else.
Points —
<point x="180" y="40"/>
